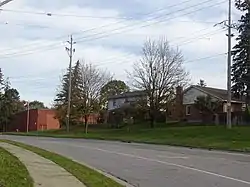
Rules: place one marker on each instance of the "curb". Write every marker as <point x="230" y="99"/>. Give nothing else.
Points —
<point x="109" y="175"/>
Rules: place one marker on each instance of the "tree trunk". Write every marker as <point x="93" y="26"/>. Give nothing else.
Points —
<point x="86" y="123"/>
<point x="152" y="120"/>
<point x="217" y="120"/>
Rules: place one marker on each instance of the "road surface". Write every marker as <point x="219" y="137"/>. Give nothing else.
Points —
<point x="153" y="165"/>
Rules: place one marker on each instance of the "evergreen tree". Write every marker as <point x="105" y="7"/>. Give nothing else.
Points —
<point x="1" y="80"/>
<point x="77" y="91"/>
<point x="61" y="100"/>
<point x="10" y="105"/>
<point x="37" y="105"/>
<point x="241" y="55"/>
<point x="63" y="91"/>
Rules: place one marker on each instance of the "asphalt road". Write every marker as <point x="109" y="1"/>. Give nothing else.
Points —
<point x="152" y="165"/>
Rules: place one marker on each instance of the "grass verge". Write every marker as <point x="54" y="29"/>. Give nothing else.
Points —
<point x="87" y="176"/>
<point x="12" y="172"/>
<point x="211" y="137"/>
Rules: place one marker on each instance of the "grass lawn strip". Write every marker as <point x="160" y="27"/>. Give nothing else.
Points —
<point x="89" y="177"/>
<point x="211" y="137"/>
<point x="12" y="172"/>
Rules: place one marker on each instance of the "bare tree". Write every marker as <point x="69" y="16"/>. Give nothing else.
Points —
<point x="159" y="71"/>
<point x="202" y="83"/>
<point x="92" y="81"/>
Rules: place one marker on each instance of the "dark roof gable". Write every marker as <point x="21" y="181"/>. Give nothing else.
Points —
<point x="128" y="94"/>
<point x="216" y="92"/>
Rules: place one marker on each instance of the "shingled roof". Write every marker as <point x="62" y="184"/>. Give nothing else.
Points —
<point x="216" y="92"/>
<point x="128" y="95"/>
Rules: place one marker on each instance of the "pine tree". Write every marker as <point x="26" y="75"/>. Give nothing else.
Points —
<point x="61" y="100"/>
<point x="241" y="55"/>
<point x="77" y="91"/>
<point x="10" y="104"/>
<point x="1" y="80"/>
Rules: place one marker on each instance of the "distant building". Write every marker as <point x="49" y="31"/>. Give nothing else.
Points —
<point x="92" y="119"/>
<point x="43" y="119"/>
<point x="184" y="106"/>
<point x="117" y="101"/>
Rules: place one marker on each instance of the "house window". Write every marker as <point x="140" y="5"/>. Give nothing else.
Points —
<point x="244" y="106"/>
<point x="188" y="110"/>
<point x="114" y="103"/>
<point x="126" y="100"/>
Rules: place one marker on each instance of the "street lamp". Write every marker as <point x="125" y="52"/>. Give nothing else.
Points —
<point x="5" y="2"/>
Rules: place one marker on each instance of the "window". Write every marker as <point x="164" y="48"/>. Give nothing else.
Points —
<point x="244" y="106"/>
<point x="114" y="103"/>
<point x="188" y="110"/>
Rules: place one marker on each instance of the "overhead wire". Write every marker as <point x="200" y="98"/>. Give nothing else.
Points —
<point x="111" y="24"/>
<point x="197" y="37"/>
<point x="119" y="28"/>
<point x="100" y="17"/>
<point x="150" y="24"/>
<point x="19" y="78"/>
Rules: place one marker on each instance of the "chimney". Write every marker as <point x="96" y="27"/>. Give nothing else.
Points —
<point x="179" y="103"/>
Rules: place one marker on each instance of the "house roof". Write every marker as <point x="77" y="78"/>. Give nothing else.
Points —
<point x="128" y="94"/>
<point x="216" y="92"/>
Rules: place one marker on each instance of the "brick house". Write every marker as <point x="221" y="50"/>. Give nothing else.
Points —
<point x="118" y="101"/>
<point x="39" y="119"/>
<point x="184" y="105"/>
<point x="92" y="119"/>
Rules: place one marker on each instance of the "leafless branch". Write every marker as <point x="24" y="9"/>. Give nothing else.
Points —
<point x="159" y="71"/>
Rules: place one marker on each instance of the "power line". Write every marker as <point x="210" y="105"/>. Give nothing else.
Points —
<point x="146" y="25"/>
<point x="50" y="14"/>
<point x="179" y="44"/>
<point x="205" y="58"/>
<point x="107" y="25"/>
<point x="5" y="2"/>
<point x="202" y="37"/>
<point x="133" y="28"/>
<point x="49" y="77"/>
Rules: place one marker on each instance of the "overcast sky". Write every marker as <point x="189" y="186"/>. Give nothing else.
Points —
<point x="109" y="34"/>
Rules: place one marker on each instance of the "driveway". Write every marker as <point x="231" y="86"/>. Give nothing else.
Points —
<point x="152" y="165"/>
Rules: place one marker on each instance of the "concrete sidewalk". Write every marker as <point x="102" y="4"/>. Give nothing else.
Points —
<point x="45" y="173"/>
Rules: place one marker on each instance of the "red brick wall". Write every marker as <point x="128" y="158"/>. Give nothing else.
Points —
<point x="18" y="122"/>
<point x="46" y="120"/>
<point x="92" y="119"/>
<point x="33" y="114"/>
<point x="38" y="120"/>
<point x="195" y="114"/>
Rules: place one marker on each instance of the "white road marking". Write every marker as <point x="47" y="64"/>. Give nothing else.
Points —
<point x="205" y="150"/>
<point x="158" y="161"/>
<point x="172" y="157"/>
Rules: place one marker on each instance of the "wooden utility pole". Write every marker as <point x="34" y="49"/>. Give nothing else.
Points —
<point x="28" y="116"/>
<point x="70" y="51"/>
<point x="229" y="84"/>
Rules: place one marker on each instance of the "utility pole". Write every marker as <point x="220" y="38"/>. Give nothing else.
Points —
<point x="5" y="2"/>
<point x="28" y="116"/>
<point x="229" y="25"/>
<point x="70" y="51"/>
<point x="229" y="59"/>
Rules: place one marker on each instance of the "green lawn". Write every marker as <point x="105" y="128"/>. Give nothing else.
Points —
<point x="12" y="172"/>
<point x="86" y="175"/>
<point x="217" y="137"/>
